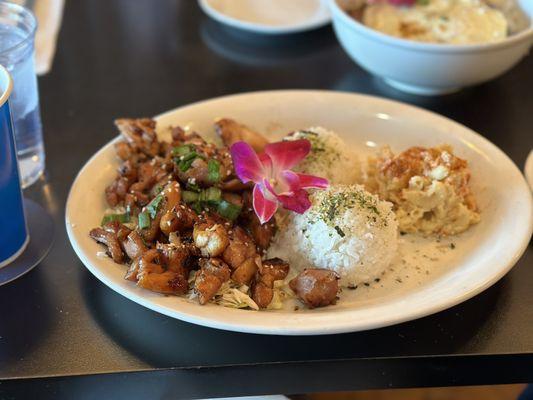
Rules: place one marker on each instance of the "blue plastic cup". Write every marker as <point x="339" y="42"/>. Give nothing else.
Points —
<point x="13" y="230"/>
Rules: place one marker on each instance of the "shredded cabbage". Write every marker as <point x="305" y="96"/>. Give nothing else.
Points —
<point x="281" y="293"/>
<point x="234" y="298"/>
<point x="233" y="295"/>
<point x="229" y="295"/>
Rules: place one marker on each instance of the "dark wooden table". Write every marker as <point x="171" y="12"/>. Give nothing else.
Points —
<point x="64" y="335"/>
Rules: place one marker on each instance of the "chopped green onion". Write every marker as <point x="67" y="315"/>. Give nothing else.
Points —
<point x="193" y="187"/>
<point x="186" y="161"/>
<point x="144" y="220"/>
<point x="197" y="207"/>
<point x="185" y="165"/>
<point x="189" y="156"/>
<point x="122" y="218"/>
<point x="212" y="195"/>
<point x="213" y="171"/>
<point x="153" y="206"/>
<point x="201" y="196"/>
<point x="189" y="197"/>
<point x="182" y="150"/>
<point x="228" y="210"/>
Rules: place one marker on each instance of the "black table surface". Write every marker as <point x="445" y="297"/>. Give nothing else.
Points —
<point x="65" y="334"/>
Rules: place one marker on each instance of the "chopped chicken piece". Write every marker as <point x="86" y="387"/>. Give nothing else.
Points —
<point x="246" y="271"/>
<point x="125" y="151"/>
<point x="213" y="273"/>
<point x="154" y="274"/>
<point x="133" y="270"/>
<point x="134" y="245"/>
<point x="212" y="240"/>
<point x="117" y="191"/>
<point x="140" y="134"/>
<point x="241" y="255"/>
<point x="115" y="227"/>
<point x="111" y="241"/>
<point x="171" y="198"/>
<point x="261" y="233"/>
<point x="231" y="131"/>
<point x="316" y="287"/>
<point x="128" y="170"/>
<point x="181" y="218"/>
<point x="179" y="258"/>
<point x="235" y="185"/>
<point x="271" y="270"/>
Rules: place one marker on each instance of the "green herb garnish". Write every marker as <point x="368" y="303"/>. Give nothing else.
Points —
<point x="213" y="171"/>
<point x="153" y="206"/>
<point x="186" y="161"/>
<point x="189" y="197"/>
<point x="228" y="210"/>
<point x="197" y="207"/>
<point x="339" y="231"/>
<point x="211" y="195"/>
<point x="144" y="220"/>
<point x="193" y="187"/>
<point x="332" y="205"/>
<point x="182" y="150"/>
<point x="122" y="218"/>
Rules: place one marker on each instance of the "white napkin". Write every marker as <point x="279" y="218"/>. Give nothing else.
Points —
<point x="48" y="14"/>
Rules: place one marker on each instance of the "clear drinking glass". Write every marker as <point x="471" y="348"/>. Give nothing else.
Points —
<point x="17" y="34"/>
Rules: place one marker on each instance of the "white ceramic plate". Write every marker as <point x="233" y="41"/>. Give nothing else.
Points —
<point x="482" y="255"/>
<point x="274" y="17"/>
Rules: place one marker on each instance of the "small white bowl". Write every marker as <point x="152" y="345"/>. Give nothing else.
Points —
<point x="428" y="68"/>
<point x="270" y="17"/>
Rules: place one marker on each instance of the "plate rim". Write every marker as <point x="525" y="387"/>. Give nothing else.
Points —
<point x="528" y="169"/>
<point x="262" y="28"/>
<point x="344" y="326"/>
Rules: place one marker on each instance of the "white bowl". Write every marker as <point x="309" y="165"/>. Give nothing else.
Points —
<point x="272" y="17"/>
<point x="428" y="68"/>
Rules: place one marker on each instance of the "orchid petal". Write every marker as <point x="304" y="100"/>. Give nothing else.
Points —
<point x="274" y="182"/>
<point x="267" y="164"/>
<point x="287" y="154"/>
<point x="295" y="200"/>
<point x="270" y="190"/>
<point x="248" y="166"/>
<point x="311" y="181"/>
<point x="298" y="201"/>
<point x="290" y="180"/>
<point x="295" y="181"/>
<point x="263" y="207"/>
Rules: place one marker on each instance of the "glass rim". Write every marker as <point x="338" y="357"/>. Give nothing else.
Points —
<point x="5" y="92"/>
<point x="18" y="9"/>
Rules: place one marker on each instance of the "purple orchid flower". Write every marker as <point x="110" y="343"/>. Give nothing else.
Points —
<point x="275" y="183"/>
